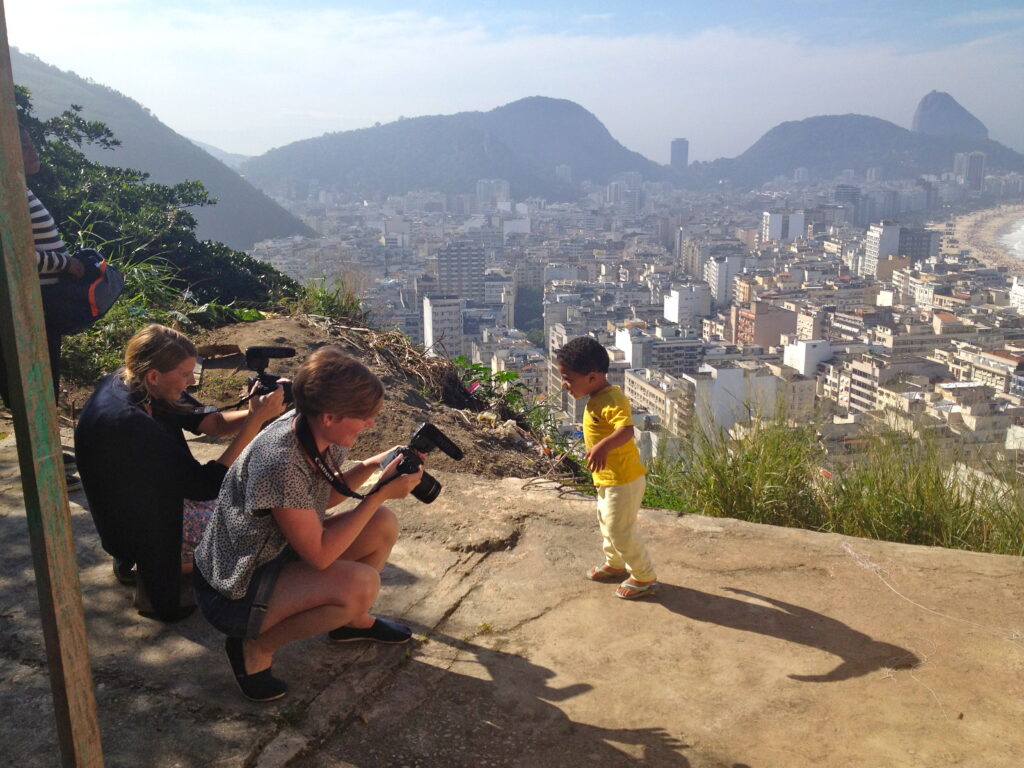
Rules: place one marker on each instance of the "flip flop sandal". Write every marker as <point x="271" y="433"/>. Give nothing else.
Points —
<point x="604" y="573"/>
<point x="634" y="591"/>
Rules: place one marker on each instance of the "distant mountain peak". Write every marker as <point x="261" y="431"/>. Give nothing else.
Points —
<point x="522" y="142"/>
<point x="939" y="114"/>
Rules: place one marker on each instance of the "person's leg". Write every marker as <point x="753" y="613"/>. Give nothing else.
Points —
<point x="613" y="561"/>
<point x="374" y="543"/>
<point x="372" y="547"/>
<point x="53" y="341"/>
<point x="619" y="524"/>
<point x="307" y="602"/>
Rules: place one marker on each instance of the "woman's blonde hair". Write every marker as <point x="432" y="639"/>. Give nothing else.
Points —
<point x="155" y="347"/>
<point x="330" y="381"/>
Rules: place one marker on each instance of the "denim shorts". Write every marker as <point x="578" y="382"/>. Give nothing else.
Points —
<point x="242" y="617"/>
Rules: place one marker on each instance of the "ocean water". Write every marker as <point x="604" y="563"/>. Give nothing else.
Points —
<point x="1014" y="239"/>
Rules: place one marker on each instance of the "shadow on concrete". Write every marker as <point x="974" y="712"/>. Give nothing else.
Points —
<point x="860" y="653"/>
<point x="508" y="717"/>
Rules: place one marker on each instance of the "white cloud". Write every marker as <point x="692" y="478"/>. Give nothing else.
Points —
<point x="247" y="81"/>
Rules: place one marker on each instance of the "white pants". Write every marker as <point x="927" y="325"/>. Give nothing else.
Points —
<point x="617" y="507"/>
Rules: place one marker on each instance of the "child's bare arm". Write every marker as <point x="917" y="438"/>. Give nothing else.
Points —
<point x="597" y="456"/>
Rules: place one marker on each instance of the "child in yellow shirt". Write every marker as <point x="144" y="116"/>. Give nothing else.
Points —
<point x="614" y="461"/>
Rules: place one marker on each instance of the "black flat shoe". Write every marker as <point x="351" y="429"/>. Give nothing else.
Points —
<point x="259" y="686"/>
<point x="124" y="572"/>
<point x="381" y="631"/>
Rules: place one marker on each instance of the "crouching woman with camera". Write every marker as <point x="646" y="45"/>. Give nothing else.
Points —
<point x="145" y="489"/>
<point x="271" y="567"/>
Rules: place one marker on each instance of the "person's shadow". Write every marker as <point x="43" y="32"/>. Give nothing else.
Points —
<point x="859" y="653"/>
<point x="506" y="717"/>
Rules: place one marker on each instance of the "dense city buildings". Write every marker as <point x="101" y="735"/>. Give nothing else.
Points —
<point x="844" y="302"/>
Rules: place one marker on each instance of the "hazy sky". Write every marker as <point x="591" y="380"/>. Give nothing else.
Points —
<point x="248" y="76"/>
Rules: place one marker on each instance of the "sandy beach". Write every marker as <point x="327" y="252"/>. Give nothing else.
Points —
<point x="979" y="232"/>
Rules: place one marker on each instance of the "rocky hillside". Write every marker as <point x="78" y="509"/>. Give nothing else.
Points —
<point x="939" y="114"/>
<point x="490" y="449"/>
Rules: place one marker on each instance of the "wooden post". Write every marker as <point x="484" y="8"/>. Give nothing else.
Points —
<point x="39" y="449"/>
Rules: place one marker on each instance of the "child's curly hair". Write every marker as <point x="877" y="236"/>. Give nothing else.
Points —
<point x="583" y="354"/>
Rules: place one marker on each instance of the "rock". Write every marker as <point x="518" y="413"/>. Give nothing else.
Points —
<point x="939" y="114"/>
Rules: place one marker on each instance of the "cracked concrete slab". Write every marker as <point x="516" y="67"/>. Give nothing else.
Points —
<point x="764" y="647"/>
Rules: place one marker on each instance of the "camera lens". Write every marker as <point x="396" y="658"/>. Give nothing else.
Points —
<point x="427" y="489"/>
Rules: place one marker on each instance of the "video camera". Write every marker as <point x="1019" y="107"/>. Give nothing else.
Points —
<point x="257" y="359"/>
<point x="426" y="438"/>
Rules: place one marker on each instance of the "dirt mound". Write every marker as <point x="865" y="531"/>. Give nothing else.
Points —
<point x="486" y="451"/>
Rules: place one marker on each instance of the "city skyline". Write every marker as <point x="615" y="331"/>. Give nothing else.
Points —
<point x="721" y="76"/>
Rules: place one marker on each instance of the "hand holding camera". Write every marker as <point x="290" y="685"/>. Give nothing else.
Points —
<point x="426" y="438"/>
<point x="267" y="404"/>
<point x="257" y="359"/>
<point x="396" y="484"/>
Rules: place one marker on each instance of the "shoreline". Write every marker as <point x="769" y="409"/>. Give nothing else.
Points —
<point x="980" y="233"/>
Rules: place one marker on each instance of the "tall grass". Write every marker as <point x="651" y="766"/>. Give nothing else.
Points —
<point x="913" y="491"/>
<point x="766" y="474"/>
<point x="337" y="301"/>
<point x="898" y="489"/>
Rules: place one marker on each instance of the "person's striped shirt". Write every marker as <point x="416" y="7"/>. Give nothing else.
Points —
<point x="51" y="254"/>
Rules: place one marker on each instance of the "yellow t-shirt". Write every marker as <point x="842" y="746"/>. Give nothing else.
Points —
<point x="605" y="412"/>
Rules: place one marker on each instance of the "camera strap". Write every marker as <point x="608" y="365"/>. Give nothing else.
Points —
<point x="337" y="482"/>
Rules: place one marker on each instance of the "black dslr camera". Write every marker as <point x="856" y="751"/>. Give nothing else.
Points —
<point x="257" y="359"/>
<point x="426" y="438"/>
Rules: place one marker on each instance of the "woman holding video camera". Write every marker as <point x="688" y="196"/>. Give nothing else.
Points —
<point x="271" y="567"/>
<point x="147" y="494"/>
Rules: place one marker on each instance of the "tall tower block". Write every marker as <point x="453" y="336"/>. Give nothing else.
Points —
<point x="680" y="154"/>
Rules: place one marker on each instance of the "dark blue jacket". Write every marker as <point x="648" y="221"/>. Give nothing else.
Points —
<point x="137" y="471"/>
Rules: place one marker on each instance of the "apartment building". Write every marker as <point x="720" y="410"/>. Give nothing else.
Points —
<point x="460" y="270"/>
<point x="684" y="304"/>
<point x="868" y="371"/>
<point x="990" y="367"/>
<point x="442" y="325"/>
<point x="761" y="324"/>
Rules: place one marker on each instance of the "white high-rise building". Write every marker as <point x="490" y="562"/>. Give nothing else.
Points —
<point x="804" y="355"/>
<point x="442" y="325"/>
<point x="686" y="302"/>
<point x="718" y="274"/>
<point x="782" y="227"/>
<point x="882" y="241"/>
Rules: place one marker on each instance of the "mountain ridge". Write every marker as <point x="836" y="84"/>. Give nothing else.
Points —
<point x="517" y="142"/>
<point x="522" y="142"/>
<point x="243" y="214"/>
<point x="828" y="144"/>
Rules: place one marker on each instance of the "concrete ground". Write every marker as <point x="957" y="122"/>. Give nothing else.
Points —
<point x="764" y="647"/>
